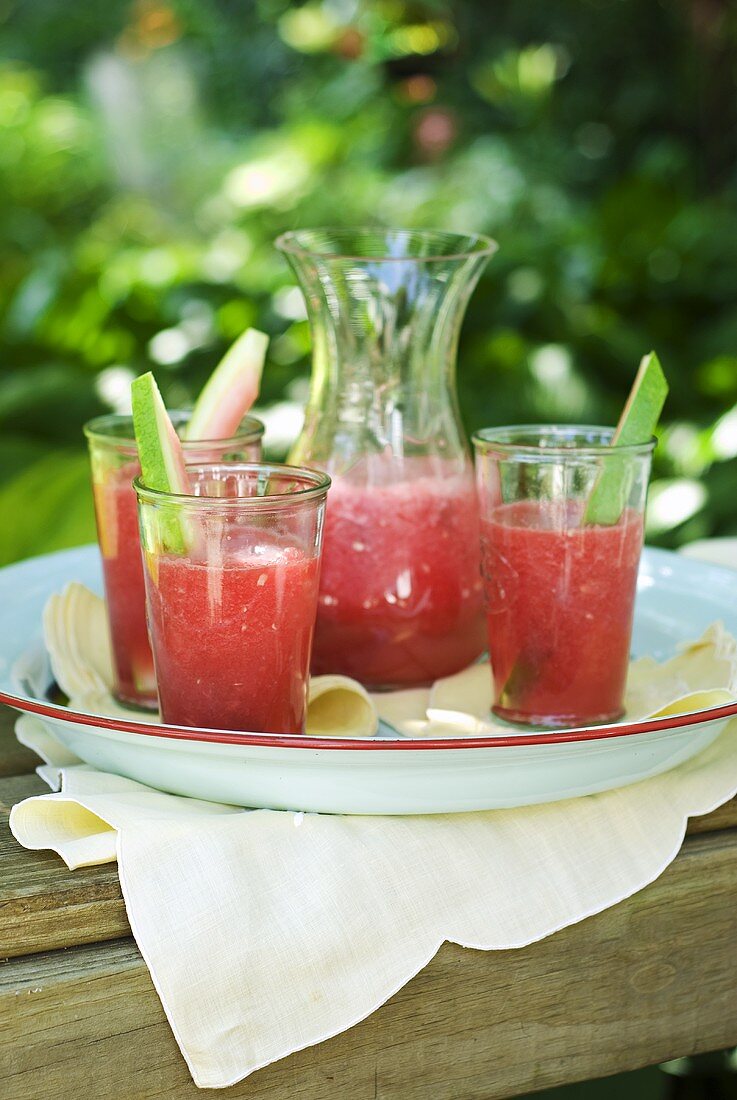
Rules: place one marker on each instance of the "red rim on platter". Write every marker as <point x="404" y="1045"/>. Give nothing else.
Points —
<point x="295" y="741"/>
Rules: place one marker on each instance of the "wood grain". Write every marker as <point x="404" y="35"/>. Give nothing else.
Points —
<point x="43" y="905"/>
<point x="650" y="979"/>
<point x="15" y="759"/>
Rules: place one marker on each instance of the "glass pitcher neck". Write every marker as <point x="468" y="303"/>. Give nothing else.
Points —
<point x="385" y="311"/>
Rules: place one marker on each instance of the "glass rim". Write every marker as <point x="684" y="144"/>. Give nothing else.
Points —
<point x="502" y="441"/>
<point x="289" y="243"/>
<point x="320" y="483"/>
<point x="94" y="430"/>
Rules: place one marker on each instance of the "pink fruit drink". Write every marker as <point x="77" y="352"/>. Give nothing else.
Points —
<point x="117" y="527"/>
<point x="400" y="592"/>
<point x="114" y="465"/>
<point x="560" y="606"/>
<point x="232" y="636"/>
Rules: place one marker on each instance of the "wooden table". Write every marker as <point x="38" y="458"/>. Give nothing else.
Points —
<point x="654" y="978"/>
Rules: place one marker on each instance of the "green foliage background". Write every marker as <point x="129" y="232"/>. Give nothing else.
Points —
<point x="151" y="151"/>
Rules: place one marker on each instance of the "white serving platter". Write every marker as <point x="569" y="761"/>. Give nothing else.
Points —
<point x="677" y="599"/>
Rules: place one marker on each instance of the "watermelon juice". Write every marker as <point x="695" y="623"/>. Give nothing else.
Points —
<point x="114" y="458"/>
<point x="117" y="528"/>
<point x="232" y="637"/>
<point x="560" y="601"/>
<point x="401" y="599"/>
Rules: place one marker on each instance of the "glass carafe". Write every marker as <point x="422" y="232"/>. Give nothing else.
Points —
<point x="400" y="592"/>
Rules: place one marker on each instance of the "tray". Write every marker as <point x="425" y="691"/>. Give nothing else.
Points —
<point x="677" y="599"/>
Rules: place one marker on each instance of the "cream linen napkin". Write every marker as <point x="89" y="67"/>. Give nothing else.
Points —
<point x="268" y="931"/>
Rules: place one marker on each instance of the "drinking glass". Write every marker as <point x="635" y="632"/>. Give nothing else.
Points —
<point x="231" y="577"/>
<point x="114" y="459"/>
<point x="561" y="534"/>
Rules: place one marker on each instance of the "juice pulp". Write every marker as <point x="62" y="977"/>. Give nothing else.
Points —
<point x="560" y="601"/>
<point x="117" y="525"/>
<point x="232" y="636"/>
<point x="401" y="598"/>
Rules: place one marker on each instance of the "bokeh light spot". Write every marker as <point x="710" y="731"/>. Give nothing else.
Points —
<point x="672" y="502"/>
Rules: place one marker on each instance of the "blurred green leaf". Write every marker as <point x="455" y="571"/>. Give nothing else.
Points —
<point x="47" y="507"/>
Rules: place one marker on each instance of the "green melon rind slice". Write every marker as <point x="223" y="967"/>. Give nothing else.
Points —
<point x="637" y="424"/>
<point x="644" y="405"/>
<point x="161" y="457"/>
<point x="231" y="389"/>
